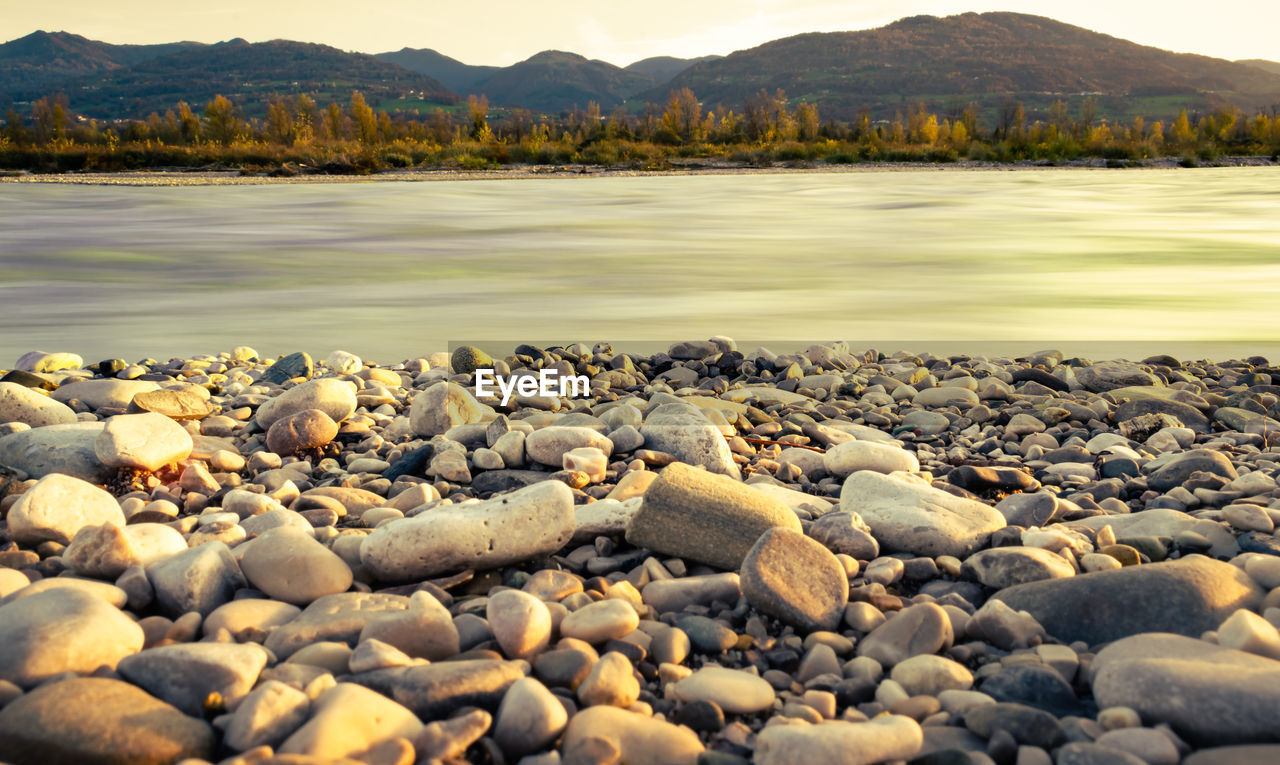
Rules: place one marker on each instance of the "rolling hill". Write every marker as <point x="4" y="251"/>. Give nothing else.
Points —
<point x="663" y="68"/>
<point x="249" y="74"/>
<point x="452" y="73"/>
<point x="989" y="58"/>
<point x="1262" y="63"/>
<point x="554" y="81"/>
<point x="42" y="58"/>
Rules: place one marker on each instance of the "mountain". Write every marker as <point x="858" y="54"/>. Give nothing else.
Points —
<point x="452" y="73"/>
<point x="1262" y="63"/>
<point x="44" y="58"/>
<point x="990" y="58"/>
<point x="554" y="81"/>
<point x="249" y="74"/>
<point x="663" y="68"/>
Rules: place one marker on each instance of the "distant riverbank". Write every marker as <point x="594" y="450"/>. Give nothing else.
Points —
<point x="222" y="177"/>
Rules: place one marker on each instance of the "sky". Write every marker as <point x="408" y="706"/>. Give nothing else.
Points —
<point x="502" y="32"/>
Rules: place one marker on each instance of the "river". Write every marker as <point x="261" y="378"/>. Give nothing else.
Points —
<point x="1103" y="263"/>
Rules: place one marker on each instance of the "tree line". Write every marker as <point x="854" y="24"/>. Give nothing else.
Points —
<point x="297" y="133"/>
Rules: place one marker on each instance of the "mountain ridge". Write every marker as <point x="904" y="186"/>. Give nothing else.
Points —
<point x="945" y="63"/>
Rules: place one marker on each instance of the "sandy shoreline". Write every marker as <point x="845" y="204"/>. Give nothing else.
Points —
<point x="198" y="177"/>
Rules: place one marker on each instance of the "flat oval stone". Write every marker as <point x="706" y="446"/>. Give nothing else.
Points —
<point x="601" y="621"/>
<point x="174" y="404"/>
<point x="850" y="457"/>
<point x="547" y="446"/>
<point x="524" y="524"/>
<point x="57" y="507"/>
<point x="334" y="397"/>
<point x="97" y="720"/>
<point x="714" y="519"/>
<point x="146" y="441"/>
<point x="443" y="406"/>
<point x="349" y="719"/>
<point x="1187" y="596"/>
<point x="19" y="403"/>
<point x="62" y="630"/>
<point x="288" y="564"/>
<point x="924" y="628"/>
<point x="636" y="739"/>
<point x="930" y="675"/>
<point x="888" y="738"/>
<point x="908" y="516"/>
<point x="1209" y="694"/>
<point x="529" y="719"/>
<point x="796" y="579"/>
<point x="734" y="691"/>
<point x="1001" y="567"/>
<point x="187" y="674"/>
<point x="520" y="622"/>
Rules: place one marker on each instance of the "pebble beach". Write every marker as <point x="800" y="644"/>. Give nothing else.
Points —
<point x="714" y="555"/>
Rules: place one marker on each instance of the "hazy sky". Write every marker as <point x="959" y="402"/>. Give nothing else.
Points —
<point x="502" y="32"/>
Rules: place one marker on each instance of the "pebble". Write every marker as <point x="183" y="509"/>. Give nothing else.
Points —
<point x="631" y="738"/>
<point x="107" y="551"/>
<point x="194" y="676"/>
<point x="529" y="719"/>
<point x="1148" y="745"/>
<point x="684" y="432"/>
<point x="347" y="720"/>
<point x="91" y="719"/>
<point x="56" y="449"/>
<point x="1209" y="694"/>
<point x="549" y="446"/>
<point x="1135" y="599"/>
<point x="103" y="393"/>
<point x="845" y="533"/>
<point x="601" y="621"/>
<point x="199" y="579"/>
<point x="1246" y="631"/>
<point x="266" y="716"/>
<point x="19" y="403"/>
<point x="734" y="691"/>
<point x="289" y="565"/>
<point x="450" y="739"/>
<point x="443" y="406"/>
<point x="336" y="398"/>
<point x="611" y="681"/>
<point x="521" y="623"/>
<point x="438" y="690"/>
<point x="930" y="675"/>
<point x="796" y="579"/>
<point x="850" y="457"/>
<point x="307" y="429"/>
<point x="146" y="441"/>
<point x="1001" y="567"/>
<point x="524" y="524"/>
<point x="695" y="514"/>
<point x="908" y="516"/>
<point x="64" y="629"/>
<point x="924" y="628"/>
<point x="892" y="737"/>
<point x="250" y="613"/>
<point x="57" y="507"/>
<point x="423" y="630"/>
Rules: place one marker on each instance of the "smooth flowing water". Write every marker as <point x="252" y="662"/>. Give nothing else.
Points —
<point x="1102" y="263"/>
